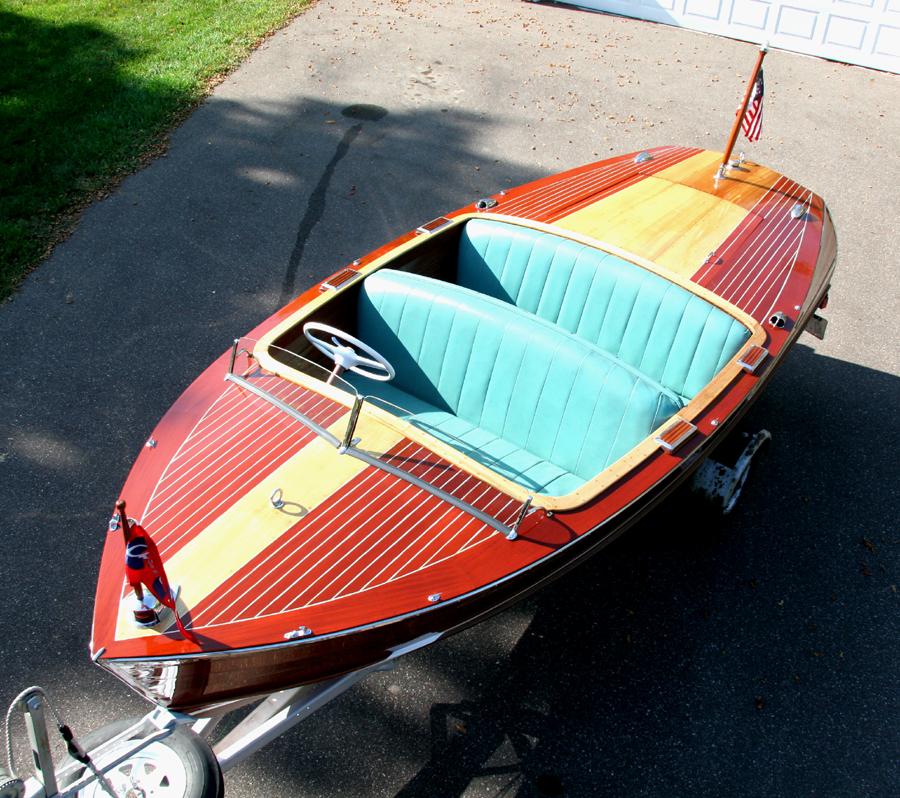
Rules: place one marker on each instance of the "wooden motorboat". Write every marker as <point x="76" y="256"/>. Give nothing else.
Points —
<point x="563" y="356"/>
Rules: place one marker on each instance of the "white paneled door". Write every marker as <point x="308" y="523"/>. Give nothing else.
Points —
<point x="863" y="32"/>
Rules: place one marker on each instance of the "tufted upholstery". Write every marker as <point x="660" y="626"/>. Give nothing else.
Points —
<point x="669" y="334"/>
<point x="538" y="405"/>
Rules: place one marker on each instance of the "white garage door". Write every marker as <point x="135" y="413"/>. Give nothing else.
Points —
<point x="864" y="32"/>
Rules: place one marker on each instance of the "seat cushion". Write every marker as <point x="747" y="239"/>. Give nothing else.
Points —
<point x="671" y="335"/>
<point x="520" y="385"/>
<point x="528" y="470"/>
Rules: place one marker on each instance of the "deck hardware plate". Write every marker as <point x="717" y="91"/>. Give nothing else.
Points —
<point x="434" y="224"/>
<point x="341" y="278"/>
<point x="149" y="607"/>
<point x="752" y="359"/>
<point x="675" y="435"/>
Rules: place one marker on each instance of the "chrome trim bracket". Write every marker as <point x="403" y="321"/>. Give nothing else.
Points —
<point x="433" y="225"/>
<point x="675" y="435"/>
<point x="339" y="280"/>
<point x="752" y="359"/>
<point x="521" y="517"/>
<point x="351" y="424"/>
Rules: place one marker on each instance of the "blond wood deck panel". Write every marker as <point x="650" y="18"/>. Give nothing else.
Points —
<point x="555" y="200"/>
<point x="744" y="186"/>
<point x="657" y="233"/>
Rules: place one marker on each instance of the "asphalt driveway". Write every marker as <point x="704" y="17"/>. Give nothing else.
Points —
<point x="754" y="656"/>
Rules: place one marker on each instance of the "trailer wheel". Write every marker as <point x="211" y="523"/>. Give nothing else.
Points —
<point x="181" y="765"/>
<point x="10" y="787"/>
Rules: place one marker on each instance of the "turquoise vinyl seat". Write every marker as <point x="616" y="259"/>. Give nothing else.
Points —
<point x="514" y="392"/>
<point x="668" y="333"/>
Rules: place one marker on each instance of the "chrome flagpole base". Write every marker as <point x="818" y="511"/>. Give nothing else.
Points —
<point x="149" y="611"/>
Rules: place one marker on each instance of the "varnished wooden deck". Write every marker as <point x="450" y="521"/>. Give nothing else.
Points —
<point x="345" y="528"/>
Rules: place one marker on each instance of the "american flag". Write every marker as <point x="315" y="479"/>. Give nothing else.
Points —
<point x="752" y="123"/>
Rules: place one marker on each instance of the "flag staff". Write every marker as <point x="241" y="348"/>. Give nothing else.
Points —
<point x="126" y="533"/>
<point x="764" y="48"/>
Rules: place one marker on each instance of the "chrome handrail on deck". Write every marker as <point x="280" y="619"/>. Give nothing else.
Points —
<point x="346" y="446"/>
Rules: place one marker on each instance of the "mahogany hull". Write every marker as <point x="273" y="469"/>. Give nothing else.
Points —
<point x="243" y="650"/>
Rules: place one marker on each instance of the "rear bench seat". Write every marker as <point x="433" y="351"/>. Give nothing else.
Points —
<point x="538" y="405"/>
<point x="669" y="334"/>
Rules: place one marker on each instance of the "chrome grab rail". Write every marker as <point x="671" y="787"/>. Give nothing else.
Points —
<point x="346" y="446"/>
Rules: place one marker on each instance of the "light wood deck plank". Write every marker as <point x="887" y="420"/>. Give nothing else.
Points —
<point x="657" y="233"/>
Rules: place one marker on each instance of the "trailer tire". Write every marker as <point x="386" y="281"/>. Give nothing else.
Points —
<point x="181" y="765"/>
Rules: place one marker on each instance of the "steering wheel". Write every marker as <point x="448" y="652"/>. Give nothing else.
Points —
<point x="345" y="357"/>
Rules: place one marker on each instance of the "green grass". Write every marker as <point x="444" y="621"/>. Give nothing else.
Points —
<point x="90" y="88"/>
